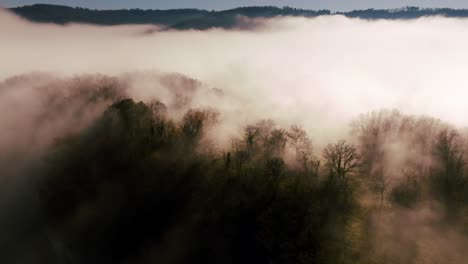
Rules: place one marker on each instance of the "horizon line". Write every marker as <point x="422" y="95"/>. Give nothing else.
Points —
<point x="239" y="7"/>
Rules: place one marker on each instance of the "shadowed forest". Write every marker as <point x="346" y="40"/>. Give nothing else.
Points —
<point x="143" y="182"/>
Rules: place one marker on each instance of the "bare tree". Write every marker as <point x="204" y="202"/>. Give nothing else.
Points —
<point x="449" y="180"/>
<point x="301" y="144"/>
<point x="240" y="156"/>
<point x="380" y="183"/>
<point x="195" y="120"/>
<point x="251" y="133"/>
<point x="342" y="160"/>
<point x="258" y="133"/>
<point x="276" y="142"/>
<point x="450" y="153"/>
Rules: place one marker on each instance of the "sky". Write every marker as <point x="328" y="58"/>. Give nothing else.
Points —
<point x="334" y="5"/>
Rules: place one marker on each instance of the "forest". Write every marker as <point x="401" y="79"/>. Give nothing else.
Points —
<point x="171" y="19"/>
<point x="184" y="19"/>
<point x="146" y="182"/>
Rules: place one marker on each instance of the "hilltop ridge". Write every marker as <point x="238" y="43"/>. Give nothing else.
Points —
<point x="205" y="19"/>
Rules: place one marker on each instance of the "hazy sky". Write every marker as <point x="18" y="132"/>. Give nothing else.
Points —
<point x="225" y="4"/>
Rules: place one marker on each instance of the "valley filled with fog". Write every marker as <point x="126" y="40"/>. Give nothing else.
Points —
<point x="286" y="140"/>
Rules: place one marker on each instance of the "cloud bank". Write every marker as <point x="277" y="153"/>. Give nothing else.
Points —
<point x="323" y="71"/>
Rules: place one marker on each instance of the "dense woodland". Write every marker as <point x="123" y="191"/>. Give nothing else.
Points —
<point x="204" y="19"/>
<point x="140" y="185"/>
<point x="172" y="19"/>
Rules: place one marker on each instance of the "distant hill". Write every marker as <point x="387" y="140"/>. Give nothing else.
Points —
<point x="64" y="14"/>
<point x="174" y="18"/>
<point x="405" y="13"/>
<point x="204" y="19"/>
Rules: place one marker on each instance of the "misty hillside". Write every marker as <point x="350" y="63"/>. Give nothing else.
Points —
<point x="204" y="19"/>
<point x="328" y="140"/>
<point x="124" y="181"/>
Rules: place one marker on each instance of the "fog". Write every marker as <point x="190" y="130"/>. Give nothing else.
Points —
<point x="321" y="73"/>
<point x="326" y="70"/>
